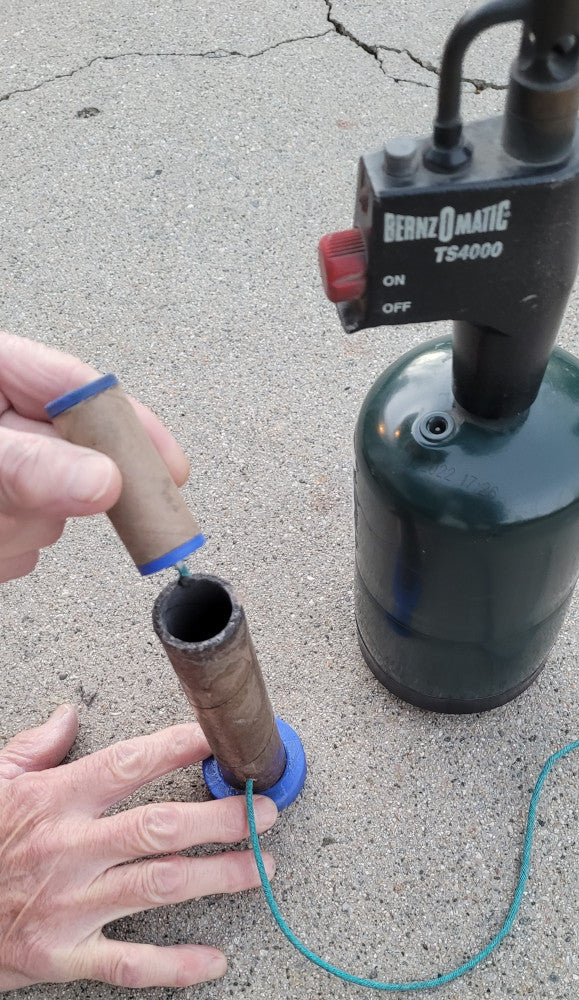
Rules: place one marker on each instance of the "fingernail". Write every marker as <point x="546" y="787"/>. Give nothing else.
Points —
<point x="265" y="812"/>
<point x="90" y="478"/>
<point x="61" y="711"/>
<point x="269" y="862"/>
<point x="216" y="963"/>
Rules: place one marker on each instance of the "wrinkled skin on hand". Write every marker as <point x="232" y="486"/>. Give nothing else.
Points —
<point x="62" y="863"/>
<point x="44" y="480"/>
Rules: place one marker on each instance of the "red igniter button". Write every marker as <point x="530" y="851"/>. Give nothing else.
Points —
<point x="343" y="266"/>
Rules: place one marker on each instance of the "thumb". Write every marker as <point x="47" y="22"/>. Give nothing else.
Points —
<point x="51" y="477"/>
<point x="45" y="746"/>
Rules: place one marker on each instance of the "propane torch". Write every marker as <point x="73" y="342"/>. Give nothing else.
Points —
<point x="467" y="450"/>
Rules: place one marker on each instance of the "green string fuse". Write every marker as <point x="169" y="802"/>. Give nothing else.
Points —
<point x="419" y="984"/>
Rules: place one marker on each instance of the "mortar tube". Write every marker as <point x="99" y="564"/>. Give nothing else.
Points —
<point x="204" y="632"/>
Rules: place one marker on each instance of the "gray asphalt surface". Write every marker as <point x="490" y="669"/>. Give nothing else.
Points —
<point x="170" y="236"/>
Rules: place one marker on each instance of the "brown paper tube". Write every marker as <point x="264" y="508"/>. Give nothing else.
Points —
<point x="204" y="632"/>
<point x="150" y="515"/>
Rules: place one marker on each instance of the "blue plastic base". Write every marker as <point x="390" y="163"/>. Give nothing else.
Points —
<point x="285" y="790"/>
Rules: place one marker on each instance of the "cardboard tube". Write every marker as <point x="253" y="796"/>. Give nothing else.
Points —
<point x="204" y="632"/>
<point x="150" y="515"/>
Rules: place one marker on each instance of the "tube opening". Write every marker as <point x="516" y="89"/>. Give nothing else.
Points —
<point x="199" y="611"/>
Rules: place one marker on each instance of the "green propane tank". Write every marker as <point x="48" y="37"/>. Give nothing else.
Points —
<point x="467" y="449"/>
<point x="467" y="533"/>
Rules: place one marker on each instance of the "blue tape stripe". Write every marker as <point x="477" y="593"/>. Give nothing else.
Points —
<point x="71" y="399"/>
<point x="172" y="557"/>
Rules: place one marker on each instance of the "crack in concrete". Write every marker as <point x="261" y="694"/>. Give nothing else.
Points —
<point x="415" y="59"/>
<point x="210" y="54"/>
<point x="478" y="83"/>
<point x="341" y="29"/>
<point x="413" y="83"/>
<point x="374" y="51"/>
<point x="336" y="27"/>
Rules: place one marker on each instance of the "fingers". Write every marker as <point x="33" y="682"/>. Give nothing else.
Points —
<point x="28" y="534"/>
<point x="52" y="477"/>
<point x="146" y="965"/>
<point x="14" y="422"/>
<point x="166" y="827"/>
<point x="42" y="747"/>
<point x="17" y="566"/>
<point x="172" y="454"/>
<point x="32" y="374"/>
<point x="146" y="885"/>
<point x="109" y="775"/>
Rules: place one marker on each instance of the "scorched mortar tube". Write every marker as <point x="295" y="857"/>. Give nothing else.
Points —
<point x="204" y="632"/>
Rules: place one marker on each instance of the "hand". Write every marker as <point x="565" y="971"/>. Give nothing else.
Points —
<point x="44" y="480"/>
<point x="62" y="864"/>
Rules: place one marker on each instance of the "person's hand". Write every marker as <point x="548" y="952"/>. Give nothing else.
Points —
<point x="62" y="869"/>
<point x="44" y="480"/>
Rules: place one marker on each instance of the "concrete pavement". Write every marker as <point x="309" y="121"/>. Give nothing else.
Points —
<point x="169" y="235"/>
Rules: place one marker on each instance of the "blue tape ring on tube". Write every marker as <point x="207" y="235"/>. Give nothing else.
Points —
<point x="173" y="556"/>
<point x="71" y="399"/>
<point x="285" y="790"/>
